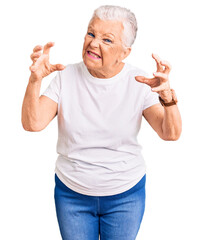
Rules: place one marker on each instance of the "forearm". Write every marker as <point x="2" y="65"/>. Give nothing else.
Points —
<point x="30" y="107"/>
<point x="172" y="123"/>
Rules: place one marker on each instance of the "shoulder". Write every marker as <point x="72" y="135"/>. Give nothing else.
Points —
<point x="132" y="72"/>
<point x="71" y="67"/>
<point x="70" y="71"/>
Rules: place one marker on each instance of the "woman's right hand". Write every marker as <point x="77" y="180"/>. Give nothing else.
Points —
<point x="41" y="67"/>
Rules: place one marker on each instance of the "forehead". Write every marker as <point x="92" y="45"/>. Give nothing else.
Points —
<point x="106" y="26"/>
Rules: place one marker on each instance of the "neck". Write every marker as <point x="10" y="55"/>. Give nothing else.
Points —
<point x="107" y="72"/>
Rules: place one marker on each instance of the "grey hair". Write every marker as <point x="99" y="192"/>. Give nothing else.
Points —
<point x="124" y="15"/>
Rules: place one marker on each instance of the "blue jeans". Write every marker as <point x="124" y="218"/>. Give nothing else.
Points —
<point x="115" y="217"/>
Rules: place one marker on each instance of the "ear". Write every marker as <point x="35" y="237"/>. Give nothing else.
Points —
<point x="126" y="52"/>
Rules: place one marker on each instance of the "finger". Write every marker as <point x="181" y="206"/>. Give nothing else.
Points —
<point x="143" y="79"/>
<point x="34" y="56"/>
<point x="162" y="76"/>
<point x="57" y="67"/>
<point x="37" y="48"/>
<point x="167" y="66"/>
<point x="47" y="47"/>
<point x="33" y="68"/>
<point x="158" y="64"/>
<point x="159" y="88"/>
<point x="174" y="95"/>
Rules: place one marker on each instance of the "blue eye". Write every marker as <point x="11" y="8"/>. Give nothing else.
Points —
<point x="90" y="34"/>
<point x="108" y="40"/>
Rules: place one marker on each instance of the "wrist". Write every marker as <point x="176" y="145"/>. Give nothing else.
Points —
<point x="34" y="80"/>
<point x="166" y="102"/>
<point x="166" y="95"/>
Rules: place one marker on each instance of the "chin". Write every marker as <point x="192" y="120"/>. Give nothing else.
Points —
<point x="90" y="64"/>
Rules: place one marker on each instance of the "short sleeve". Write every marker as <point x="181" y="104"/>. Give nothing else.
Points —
<point x="53" y="90"/>
<point x="150" y="98"/>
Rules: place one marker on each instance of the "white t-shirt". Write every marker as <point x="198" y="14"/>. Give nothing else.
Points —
<point x="98" y="123"/>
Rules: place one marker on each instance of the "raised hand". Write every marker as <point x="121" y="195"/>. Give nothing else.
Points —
<point x="41" y="67"/>
<point x="160" y="82"/>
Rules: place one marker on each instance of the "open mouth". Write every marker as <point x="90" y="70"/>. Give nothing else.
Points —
<point x="93" y="55"/>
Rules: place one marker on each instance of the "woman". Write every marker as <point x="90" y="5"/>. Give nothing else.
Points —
<point x="99" y="102"/>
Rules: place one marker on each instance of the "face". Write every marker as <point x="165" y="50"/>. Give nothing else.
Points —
<point x="103" y="51"/>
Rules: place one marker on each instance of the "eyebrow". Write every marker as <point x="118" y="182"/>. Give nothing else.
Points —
<point x="90" y="28"/>
<point x="109" y="34"/>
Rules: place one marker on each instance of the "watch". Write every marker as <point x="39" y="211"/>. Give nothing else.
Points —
<point x="168" y="104"/>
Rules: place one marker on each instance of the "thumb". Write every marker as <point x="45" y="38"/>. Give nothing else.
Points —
<point x="57" y="67"/>
<point x="142" y="79"/>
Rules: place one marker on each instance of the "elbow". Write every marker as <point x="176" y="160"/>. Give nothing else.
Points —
<point x="172" y="137"/>
<point x="30" y="124"/>
<point x="31" y="127"/>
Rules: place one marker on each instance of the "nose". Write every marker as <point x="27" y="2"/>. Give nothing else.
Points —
<point x="94" y="42"/>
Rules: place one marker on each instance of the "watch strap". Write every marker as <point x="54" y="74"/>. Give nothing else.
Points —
<point x="168" y="104"/>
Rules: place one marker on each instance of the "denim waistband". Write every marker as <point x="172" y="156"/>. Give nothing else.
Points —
<point x="136" y="187"/>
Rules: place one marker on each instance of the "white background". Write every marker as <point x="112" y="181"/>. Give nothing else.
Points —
<point x="173" y="30"/>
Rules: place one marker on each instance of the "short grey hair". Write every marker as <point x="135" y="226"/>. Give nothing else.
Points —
<point x="124" y="15"/>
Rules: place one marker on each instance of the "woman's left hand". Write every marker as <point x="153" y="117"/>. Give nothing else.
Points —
<point x="160" y="82"/>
